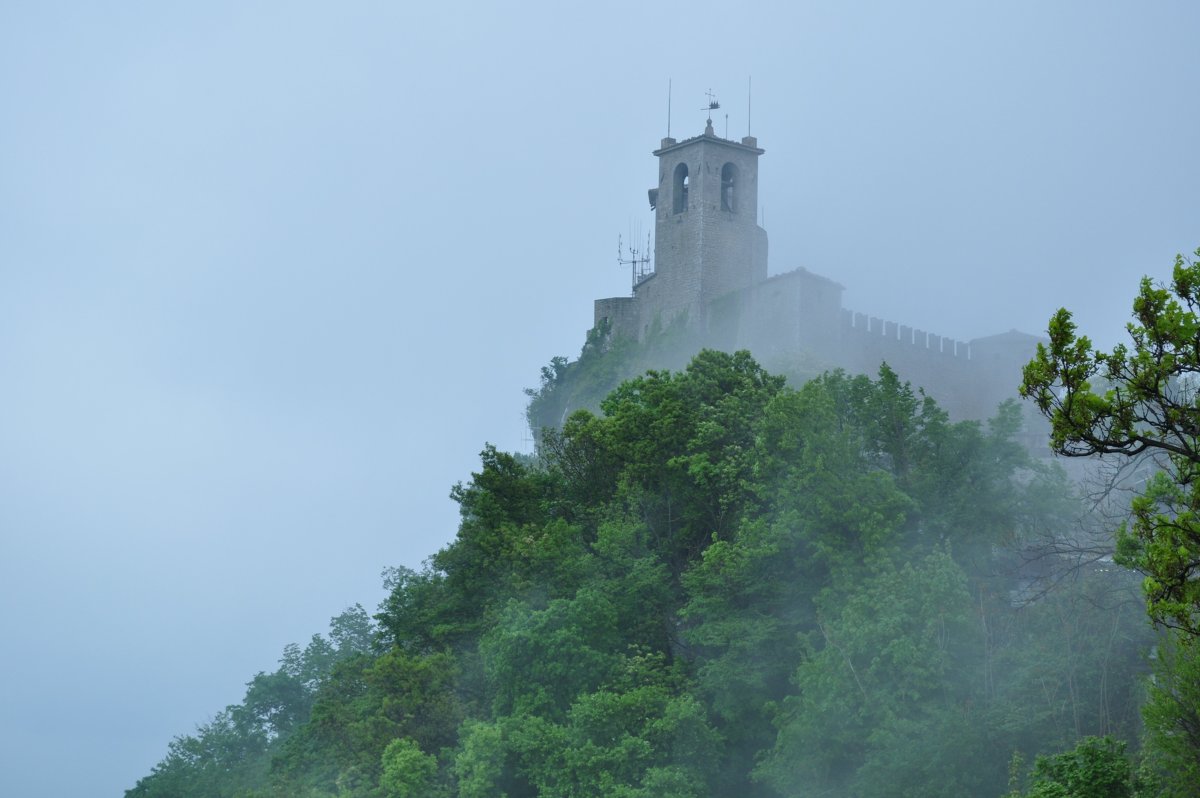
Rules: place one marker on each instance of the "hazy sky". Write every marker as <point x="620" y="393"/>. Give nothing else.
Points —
<point x="271" y="274"/>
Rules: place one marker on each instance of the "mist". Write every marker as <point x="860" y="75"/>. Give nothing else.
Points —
<point x="271" y="277"/>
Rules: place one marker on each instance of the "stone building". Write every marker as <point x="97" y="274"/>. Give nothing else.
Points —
<point x="710" y="274"/>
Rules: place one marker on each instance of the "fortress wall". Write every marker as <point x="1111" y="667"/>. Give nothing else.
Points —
<point x="997" y="361"/>
<point x="664" y="297"/>
<point x="968" y="379"/>
<point x="820" y="312"/>
<point x="622" y="314"/>
<point x="797" y="310"/>
<point x="942" y="366"/>
<point x="799" y="314"/>
<point x="770" y="321"/>
<point x="726" y="318"/>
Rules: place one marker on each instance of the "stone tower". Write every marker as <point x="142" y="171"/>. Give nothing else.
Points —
<point x="707" y="242"/>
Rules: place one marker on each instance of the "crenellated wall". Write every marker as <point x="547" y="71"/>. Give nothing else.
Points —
<point x="968" y="378"/>
<point x="940" y="365"/>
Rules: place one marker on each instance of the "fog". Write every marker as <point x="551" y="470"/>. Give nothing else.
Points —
<point x="271" y="275"/>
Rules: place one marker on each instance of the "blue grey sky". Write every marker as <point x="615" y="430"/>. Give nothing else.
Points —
<point x="271" y="274"/>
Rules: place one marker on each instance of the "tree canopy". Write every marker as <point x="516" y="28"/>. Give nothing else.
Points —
<point x="1141" y="402"/>
<point x="712" y="584"/>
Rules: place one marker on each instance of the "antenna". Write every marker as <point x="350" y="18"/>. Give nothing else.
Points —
<point x="637" y="260"/>
<point x="726" y="125"/>
<point x="668" y="108"/>
<point x="749" y="98"/>
<point x="527" y="438"/>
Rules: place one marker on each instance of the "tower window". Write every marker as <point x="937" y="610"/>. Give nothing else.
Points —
<point x="728" y="187"/>
<point x="680" y="192"/>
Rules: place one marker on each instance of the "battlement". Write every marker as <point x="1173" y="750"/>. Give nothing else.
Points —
<point x="891" y="332"/>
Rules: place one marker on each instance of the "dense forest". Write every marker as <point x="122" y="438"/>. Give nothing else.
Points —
<point x="719" y="584"/>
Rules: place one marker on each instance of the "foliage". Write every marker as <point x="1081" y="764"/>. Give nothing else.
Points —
<point x="1136" y="400"/>
<point x="1095" y="768"/>
<point x="408" y="772"/>
<point x="1140" y="401"/>
<point x="708" y="584"/>
<point x="1172" y="716"/>
<point x="231" y="754"/>
<point x="365" y="705"/>
<point x="875" y="678"/>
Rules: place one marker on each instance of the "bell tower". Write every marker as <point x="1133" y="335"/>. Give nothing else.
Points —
<point x="707" y="241"/>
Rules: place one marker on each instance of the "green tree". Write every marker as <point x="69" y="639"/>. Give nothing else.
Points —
<point x="876" y="694"/>
<point x="483" y="766"/>
<point x="220" y="759"/>
<point x="1172" y="717"/>
<point x="231" y="754"/>
<point x="641" y="734"/>
<point x="408" y="772"/>
<point x="1139" y="399"/>
<point x="365" y="704"/>
<point x="1142" y="401"/>
<point x="538" y="660"/>
<point x="1095" y="768"/>
<point x="716" y="576"/>
<point x="685" y="444"/>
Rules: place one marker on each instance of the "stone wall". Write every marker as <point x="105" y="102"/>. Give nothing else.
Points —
<point x="621" y="313"/>
<point x="969" y="379"/>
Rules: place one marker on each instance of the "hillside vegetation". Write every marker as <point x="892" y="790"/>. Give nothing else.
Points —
<point x="716" y="585"/>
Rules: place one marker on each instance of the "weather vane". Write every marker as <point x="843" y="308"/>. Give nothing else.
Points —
<point x="712" y="104"/>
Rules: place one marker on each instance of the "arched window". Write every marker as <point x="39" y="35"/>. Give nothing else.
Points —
<point x="680" y="192"/>
<point x="728" y="187"/>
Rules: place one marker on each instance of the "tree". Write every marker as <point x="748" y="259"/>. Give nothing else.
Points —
<point x="1096" y="768"/>
<point x="361" y="708"/>
<point x="408" y="771"/>
<point x="719" y="585"/>
<point x="641" y="734"/>
<point x="231" y="754"/>
<point x="1141" y="400"/>
<point x="1172" y="717"/>
<point x="880" y="707"/>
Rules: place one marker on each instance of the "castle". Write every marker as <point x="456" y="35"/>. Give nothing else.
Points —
<point x="710" y="273"/>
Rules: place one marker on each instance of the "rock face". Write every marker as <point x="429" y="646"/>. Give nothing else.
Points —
<point x="710" y="274"/>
